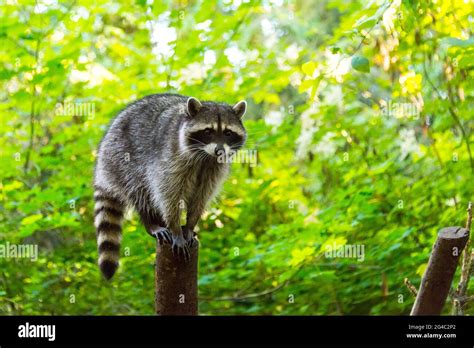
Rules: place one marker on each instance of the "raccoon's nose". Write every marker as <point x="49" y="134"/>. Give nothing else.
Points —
<point x="219" y="150"/>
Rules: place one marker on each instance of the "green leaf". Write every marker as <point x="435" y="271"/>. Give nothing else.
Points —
<point x="366" y="23"/>
<point x="360" y="63"/>
<point x="31" y="219"/>
<point x="308" y="68"/>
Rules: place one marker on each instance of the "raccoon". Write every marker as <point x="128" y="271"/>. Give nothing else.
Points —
<point x="161" y="155"/>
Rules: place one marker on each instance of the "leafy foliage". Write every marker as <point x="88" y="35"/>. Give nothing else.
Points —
<point x="361" y="113"/>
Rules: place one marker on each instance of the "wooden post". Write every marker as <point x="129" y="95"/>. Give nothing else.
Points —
<point x="176" y="290"/>
<point x="436" y="282"/>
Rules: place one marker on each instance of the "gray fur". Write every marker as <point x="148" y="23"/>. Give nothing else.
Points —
<point x="146" y="161"/>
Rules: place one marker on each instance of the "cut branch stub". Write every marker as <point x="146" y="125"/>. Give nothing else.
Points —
<point x="440" y="271"/>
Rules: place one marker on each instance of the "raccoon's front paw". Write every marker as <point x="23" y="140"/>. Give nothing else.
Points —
<point x="163" y="235"/>
<point x="190" y="236"/>
<point x="194" y="241"/>
<point x="180" y="247"/>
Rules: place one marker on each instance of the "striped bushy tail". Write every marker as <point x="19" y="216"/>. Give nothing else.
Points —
<point x="108" y="220"/>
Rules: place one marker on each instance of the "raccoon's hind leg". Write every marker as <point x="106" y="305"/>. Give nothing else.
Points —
<point x="108" y="213"/>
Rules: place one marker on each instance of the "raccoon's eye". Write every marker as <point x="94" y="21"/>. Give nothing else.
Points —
<point x="208" y="131"/>
<point x="227" y="133"/>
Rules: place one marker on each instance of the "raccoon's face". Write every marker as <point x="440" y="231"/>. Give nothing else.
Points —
<point x="214" y="128"/>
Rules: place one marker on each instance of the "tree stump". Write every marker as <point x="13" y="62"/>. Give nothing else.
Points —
<point x="436" y="282"/>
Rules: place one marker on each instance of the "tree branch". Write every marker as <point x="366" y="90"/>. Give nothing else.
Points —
<point x="410" y="287"/>
<point x="254" y="295"/>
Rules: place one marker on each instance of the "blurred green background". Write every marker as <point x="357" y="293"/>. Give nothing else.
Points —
<point x="361" y="113"/>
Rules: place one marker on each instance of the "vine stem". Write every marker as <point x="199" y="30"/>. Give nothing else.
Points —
<point x="461" y="291"/>
<point x="453" y="114"/>
<point x="33" y="109"/>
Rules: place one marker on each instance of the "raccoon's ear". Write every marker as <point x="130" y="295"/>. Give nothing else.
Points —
<point x="193" y="106"/>
<point x="240" y="108"/>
